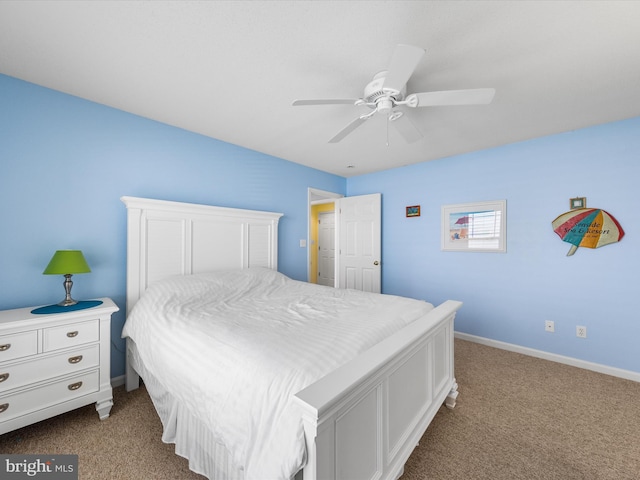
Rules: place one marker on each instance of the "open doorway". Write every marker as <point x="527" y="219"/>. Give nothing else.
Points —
<point x="321" y="208"/>
<point x="356" y="230"/>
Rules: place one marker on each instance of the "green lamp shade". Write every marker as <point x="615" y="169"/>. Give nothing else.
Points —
<point x="67" y="261"/>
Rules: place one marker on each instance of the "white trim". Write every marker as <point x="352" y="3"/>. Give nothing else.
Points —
<point x="574" y="362"/>
<point x="117" y="381"/>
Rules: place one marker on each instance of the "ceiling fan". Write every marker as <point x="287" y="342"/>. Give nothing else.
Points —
<point x="387" y="91"/>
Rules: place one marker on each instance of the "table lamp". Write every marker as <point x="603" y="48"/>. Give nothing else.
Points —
<point x="67" y="262"/>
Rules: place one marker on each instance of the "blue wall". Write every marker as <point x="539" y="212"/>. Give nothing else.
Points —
<point x="507" y="297"/>
<point x="65" y="163"/>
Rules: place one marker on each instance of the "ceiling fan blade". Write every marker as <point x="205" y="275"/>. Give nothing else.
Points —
<point x="406" y="128"/>
<point x="477" y="96"/>
<point x="404" y="61"/>
<point x="329" y="101"/>
<point x="349" y="128"/>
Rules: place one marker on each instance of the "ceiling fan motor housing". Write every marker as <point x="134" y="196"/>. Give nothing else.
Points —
<point x="377" y="98"/>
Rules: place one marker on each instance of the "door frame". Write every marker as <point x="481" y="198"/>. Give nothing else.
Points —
<point x="316" y="196"/>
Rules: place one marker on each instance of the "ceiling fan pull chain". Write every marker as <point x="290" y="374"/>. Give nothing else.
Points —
<point x="387" y="130"/>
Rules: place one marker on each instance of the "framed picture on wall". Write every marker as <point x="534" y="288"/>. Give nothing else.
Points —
<point x="413" y="211"/>
<point x="578" y="202"/>
<point x="475" y="227"/>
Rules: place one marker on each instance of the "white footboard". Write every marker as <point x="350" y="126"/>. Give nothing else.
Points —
<point x="363" y="420"/>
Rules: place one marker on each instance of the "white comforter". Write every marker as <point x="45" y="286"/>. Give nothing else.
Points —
<point x="234" y="347"/>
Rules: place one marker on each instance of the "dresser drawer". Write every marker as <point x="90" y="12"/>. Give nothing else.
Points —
<point x="26" y="401"/>
<point x="71" y="334"/>
<point x="18" y="345"/>
<point x="31" y="371"/>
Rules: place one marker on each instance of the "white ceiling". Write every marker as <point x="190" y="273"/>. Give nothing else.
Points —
<point x="230" y="69"/>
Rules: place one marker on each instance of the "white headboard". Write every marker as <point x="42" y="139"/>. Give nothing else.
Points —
<point x="172" y="238"/>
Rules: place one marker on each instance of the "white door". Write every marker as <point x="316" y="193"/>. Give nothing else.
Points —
<point x="359" y="261"/>
<point x="326" y="248"/>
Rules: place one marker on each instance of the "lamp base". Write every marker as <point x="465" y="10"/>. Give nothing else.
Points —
<point x="67" y="302"/>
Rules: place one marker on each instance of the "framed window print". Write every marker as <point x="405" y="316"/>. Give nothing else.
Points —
<point x="475" y="227"/>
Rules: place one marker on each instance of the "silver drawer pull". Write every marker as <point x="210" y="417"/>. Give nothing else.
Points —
<point x="4" y="407"/>
<point x="72" y="334"/>
<point x="4" y="347"/>
<point x="77" y="359"/>
<point x="75" y="386"/>
<point x="3" y="377"/>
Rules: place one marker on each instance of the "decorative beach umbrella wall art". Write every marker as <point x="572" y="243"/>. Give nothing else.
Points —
<point x="587" y="227"/>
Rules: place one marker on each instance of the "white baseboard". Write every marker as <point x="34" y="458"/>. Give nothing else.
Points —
<point x="117" y="381"/>
<point x="574" y="362"/>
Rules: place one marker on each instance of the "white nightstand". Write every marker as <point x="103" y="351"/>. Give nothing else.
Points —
<point x="53" y="363"/>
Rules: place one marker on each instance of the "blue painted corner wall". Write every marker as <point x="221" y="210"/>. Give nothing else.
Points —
<point x="65" y="163"/>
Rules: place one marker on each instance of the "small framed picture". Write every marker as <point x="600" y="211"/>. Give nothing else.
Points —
<point x="413" y="211"/>
<point x="578" y="202"/>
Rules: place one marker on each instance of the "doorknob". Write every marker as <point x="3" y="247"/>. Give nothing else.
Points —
<point x="376" y="262"/>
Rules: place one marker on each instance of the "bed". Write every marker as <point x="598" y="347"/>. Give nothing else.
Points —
<point x="348" y="399"/>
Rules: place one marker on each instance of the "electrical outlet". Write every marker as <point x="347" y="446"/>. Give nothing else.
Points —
<point x="581" y="332"/>
<point x="549" y="326"/>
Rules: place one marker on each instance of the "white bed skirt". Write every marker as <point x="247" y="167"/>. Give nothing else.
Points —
<point x="192" y="439"/>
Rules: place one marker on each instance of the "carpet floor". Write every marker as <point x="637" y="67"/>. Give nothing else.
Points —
<point x="517" y="417"/>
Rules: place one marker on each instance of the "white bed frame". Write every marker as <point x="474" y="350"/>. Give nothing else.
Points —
<point x="361" y="421"/>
